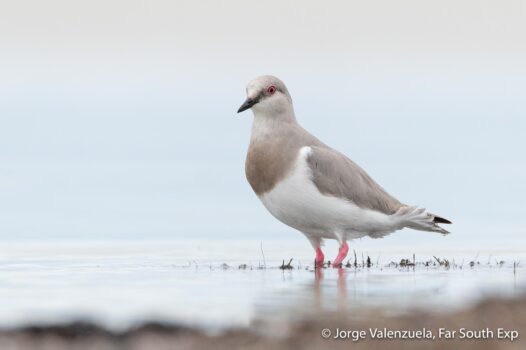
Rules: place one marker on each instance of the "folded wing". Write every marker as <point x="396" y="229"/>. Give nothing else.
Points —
<point x="335" y="174"/>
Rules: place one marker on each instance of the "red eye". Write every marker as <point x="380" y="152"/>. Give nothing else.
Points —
<point x="271" y="89"/>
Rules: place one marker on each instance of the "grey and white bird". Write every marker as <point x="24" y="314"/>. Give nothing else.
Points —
<point x="313" y="188"/>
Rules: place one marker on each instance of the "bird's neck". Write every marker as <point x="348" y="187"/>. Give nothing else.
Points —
<point x="270" y="122"/>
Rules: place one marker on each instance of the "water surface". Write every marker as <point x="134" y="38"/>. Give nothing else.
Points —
<point x="222" y="284"/>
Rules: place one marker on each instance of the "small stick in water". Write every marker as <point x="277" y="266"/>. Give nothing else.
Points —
<point x="263" y="254"/>
<point x="286" y="267"/>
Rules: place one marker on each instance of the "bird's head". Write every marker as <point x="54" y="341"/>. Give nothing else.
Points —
<point x="267" y="95"/>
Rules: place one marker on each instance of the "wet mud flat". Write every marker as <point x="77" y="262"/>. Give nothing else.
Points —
<point x="496" y="323"/>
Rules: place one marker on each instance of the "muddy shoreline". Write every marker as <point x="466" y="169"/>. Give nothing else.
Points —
<point x="490" y="314"/>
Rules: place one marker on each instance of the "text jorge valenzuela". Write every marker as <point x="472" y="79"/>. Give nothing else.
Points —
<point x="441" y="333"/>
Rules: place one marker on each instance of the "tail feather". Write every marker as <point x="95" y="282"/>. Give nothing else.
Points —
<point x="420" y="219"/>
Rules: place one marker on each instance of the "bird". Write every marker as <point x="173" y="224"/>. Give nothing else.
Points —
<point x="312" y="187"/>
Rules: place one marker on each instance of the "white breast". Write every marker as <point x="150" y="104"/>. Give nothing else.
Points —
<point x="297" y="202"/>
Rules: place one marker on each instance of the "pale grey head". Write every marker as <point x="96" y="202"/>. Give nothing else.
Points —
<point x="267" y="95"/>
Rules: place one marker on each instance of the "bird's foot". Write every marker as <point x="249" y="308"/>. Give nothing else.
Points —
<point x="342" y="253"/>
<point x="318" y="261"/>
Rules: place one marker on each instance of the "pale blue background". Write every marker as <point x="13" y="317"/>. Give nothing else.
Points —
<point x="117" y="120"/>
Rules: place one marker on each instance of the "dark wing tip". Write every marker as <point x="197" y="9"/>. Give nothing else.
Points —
<point x="439" y="220"/>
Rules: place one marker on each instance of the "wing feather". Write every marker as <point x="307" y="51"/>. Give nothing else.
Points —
<point x="335" y="174"/>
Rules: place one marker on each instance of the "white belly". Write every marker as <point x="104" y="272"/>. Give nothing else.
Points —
<point x="297" y="202"/>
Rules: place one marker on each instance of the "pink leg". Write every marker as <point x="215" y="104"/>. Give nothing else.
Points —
<point x="342" y="253"/>
<point x="318" y="261"/>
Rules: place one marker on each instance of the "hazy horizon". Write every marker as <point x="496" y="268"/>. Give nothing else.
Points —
<point x="119" y="119"/>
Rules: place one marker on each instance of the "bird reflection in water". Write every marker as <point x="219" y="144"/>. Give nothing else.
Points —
<point x="341" y="283"/>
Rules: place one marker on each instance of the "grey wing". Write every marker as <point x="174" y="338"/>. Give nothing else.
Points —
<point x="335" y="174"/>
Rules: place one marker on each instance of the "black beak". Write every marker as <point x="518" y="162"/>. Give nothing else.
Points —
<point x="247" y="104"/>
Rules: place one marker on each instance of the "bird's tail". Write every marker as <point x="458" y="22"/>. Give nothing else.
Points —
<point x="419" y="219"/>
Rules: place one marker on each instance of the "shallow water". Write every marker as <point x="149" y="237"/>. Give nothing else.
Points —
<point x="123" y="283"/>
